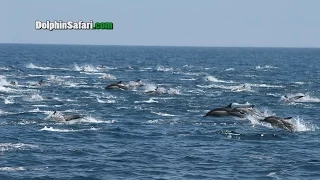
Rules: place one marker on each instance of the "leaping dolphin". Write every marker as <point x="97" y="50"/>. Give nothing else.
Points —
<point x="118" y="85"/>
<point x="229" y="111"/>
<point x="279" y="122"/>
<point x="135" y="84"/>
<point x="156" y="91"/>
<point x="293" y="98"/>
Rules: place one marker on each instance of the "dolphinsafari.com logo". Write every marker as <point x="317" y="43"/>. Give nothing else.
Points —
<point x="73" y="25"/>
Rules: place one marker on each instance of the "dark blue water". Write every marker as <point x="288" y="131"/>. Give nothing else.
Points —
<point x="128" y="134"/>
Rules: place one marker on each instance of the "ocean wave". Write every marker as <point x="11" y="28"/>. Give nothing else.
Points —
<point x="4" y="68"/>
<point x="15" y="146"/>
<point x="85" y="68"/>
<point x="162" y="114"/>
<point x="151" y="100"/>
<point x="108" y="76"/>
<point x="32" y="66"/>
<point x="213" y="79"/>
<point x="164" y="69"/>
<point x="185" y="79"/>
<point x="266" y="67"/>
<point x="240" y="88"/>
<point x="35" y="97"/>
<point x="106" y="101"/>
<point x="155" y="121"/>
<point x="266" y="85"/>
<point x="173" y="91"/>
<point x="6" y="168"/>
<point x="230" y="69"/>
<point x="8" y="101"/>
<point x="237" y="88"/>
<point x="67" y="130"/>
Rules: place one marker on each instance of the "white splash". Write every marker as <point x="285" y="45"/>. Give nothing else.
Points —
<point x="162" y="114"/>
<point x="155" y="121"/>
<point x="4" y="68"/>
<point x="77" y="68"/>
<point x="230" y="69"/>
<point x="266" y="67"/>
<point x="267" y="86"/>
<point x="213" y="79"/>
<point x="86" y="68"/>
<point x="164" y="69"/>
<point x="34" y="97"/>
<point x="15" y="146"/>
<point x="3" y="81"/>
<point x="90" y="68"/>
<point x="67" y="130"/>
<point x="105" y="101"/>
<point x="173" y="91"/>
<point x="240" y="88"/>
<point x="57" y="130"/>
<point x="191" y="79"/>
<point x="300" y="83"/>
<point x="8" y="101"/>
<point x="301" y="125"/>
<point x="149" y="87"/>
<point x="12" y="168"/>
<point x="151" y="100"/>
<point x="290" y="98"/>
<point x="32" y="66"/>
<point x="108" y="76"/>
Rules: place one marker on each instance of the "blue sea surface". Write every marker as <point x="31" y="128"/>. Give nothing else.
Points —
<point x="130" y="134"/>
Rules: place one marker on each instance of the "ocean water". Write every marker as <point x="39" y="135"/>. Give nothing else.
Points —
<point x="128" y="134"/>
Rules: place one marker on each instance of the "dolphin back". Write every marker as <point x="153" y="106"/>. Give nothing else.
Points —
<point x="71" y="117"/>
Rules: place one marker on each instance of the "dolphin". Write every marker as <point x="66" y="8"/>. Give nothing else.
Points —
<point x="229" y="111"/>
<point x="118" y="85"/>
<point x="156" y="91"/>
<point x="279" y="122"/>
<point x="242" y="88"/>
<point x="135" y="84"/>
<point x="41" y="82"/>
<point x="246" y="108"/>
<point x="294" y="98"/>
<point x="13" y="83"/>
<point x="65" y="117"/>
<point x="138" y="83"/>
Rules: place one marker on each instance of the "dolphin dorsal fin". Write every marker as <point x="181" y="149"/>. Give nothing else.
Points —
<point x="229" y="106"/>
<point x="288" y="118"/>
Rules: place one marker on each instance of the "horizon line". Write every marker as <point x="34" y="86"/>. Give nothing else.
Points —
<point x="199" y="46"/>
